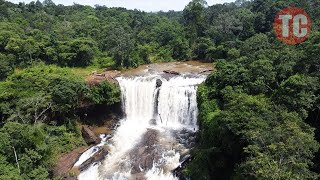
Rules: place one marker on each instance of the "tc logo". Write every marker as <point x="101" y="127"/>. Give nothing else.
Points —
<point x="292" y="25"/>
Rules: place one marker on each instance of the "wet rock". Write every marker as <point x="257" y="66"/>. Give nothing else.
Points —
<point x="150" y="138"/>
<point x="89" y="136"/>
<point x="115" y="126"/>
<point x="96" y="158"/>
<point x="66" y="162"/>
<point x="183" y="135"/>
<point x="145" y="154"/>
<point x="183" y="163"/>
<point x="192" y="144"/>
<point x="171" y="72"/>
<point x="185" y="158"/>
<point x="208" y="71"/>
<point x="186" y="137"/>
<point x="158" y="83"/>
<point x="139" y="176"/>
<point x="184" y="153"/>
<point x="153" y="122"/>
<point x="167" y="76"/>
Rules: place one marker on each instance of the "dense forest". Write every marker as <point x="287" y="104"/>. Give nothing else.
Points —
<point x="259" y="110"/>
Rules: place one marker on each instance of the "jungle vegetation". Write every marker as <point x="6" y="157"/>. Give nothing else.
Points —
<point x="259" y="111"/>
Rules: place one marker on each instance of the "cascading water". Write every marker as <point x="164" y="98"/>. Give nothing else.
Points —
<point x="157" y="131"/>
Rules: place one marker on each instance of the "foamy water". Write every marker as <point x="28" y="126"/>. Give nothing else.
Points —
<point x="146" y="145"/>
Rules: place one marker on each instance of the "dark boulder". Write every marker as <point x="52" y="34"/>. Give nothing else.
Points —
<point x="171" y="72"/>
<point x="89" y="136"/>
<point x="153" y="122"/>
<point x="158" y="83"/>
<point x="146" y="152"/>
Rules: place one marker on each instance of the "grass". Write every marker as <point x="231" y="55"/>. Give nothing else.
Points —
<point x="86" y="71"/>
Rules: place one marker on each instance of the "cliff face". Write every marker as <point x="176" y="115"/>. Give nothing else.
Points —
<point x="66" y="162"/>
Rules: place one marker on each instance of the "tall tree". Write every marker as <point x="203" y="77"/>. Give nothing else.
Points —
<point x="193" y="16"/>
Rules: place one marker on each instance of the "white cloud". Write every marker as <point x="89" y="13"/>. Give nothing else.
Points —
<point x="146" y="5"/>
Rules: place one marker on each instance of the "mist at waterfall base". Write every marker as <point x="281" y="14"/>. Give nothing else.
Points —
<point x="157" y="131"/>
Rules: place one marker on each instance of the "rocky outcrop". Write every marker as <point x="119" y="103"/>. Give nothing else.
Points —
<point x="158" y="83"/>
<point x="89" y="136"/>
<point x="171" y="72"/>
<point x="183" y="163"/>
<point x="66" y="162"/>
<point x="96" y="78"/>
<point x="97" y="157"/>
<point x="139" y="176"/>
<point x="145" y="153"/>
<point x="206" y="71"/>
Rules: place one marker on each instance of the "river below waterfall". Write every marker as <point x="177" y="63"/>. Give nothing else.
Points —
<point x="157" y="131"/>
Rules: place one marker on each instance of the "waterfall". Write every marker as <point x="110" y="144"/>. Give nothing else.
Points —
<point x="158" y="128"/>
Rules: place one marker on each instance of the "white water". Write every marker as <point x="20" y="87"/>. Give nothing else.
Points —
<point x="173" y="108"/>
<point x="93" y="150"/>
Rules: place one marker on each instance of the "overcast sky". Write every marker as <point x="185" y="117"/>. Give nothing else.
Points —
<point x="146" y="5"/>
